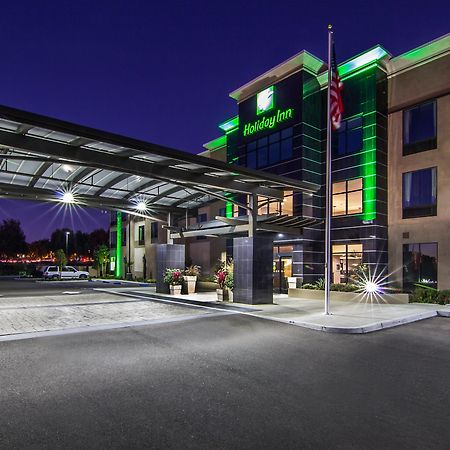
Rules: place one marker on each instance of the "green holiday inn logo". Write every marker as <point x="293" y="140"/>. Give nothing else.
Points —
<point x="268" y="122"/>
<point x="265" y="100"/>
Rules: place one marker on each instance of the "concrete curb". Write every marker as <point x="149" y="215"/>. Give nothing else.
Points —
<point x="376" y="326"/>
<point x="123" y="282"/>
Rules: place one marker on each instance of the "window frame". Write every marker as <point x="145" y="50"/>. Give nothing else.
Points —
<point x="141" y="238"/>
<point x="346" y="193"/>
<point x="345" y="131"/>
<point x="263" y="145"/>
<point x="424" y="145"/>
<point x="414" y="212"/>
<point x="410" y="285"/>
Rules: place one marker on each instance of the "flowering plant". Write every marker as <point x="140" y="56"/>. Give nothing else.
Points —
<point x="173" y="277"/>
<point x="220" y="277"/>
<point x="192" y="271"/>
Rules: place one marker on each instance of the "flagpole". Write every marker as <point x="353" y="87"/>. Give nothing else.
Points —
<point x="328" y="183"/>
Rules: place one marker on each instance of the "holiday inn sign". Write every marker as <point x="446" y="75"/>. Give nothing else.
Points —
<point x="268" y="122"/>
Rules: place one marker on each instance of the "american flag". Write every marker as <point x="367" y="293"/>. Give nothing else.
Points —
<point x="336" y="107"/>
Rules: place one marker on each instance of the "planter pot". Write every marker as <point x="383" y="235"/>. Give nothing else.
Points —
<point x="292" y="282"/>
<point x="220" y="295"/>
<point x="175" y="289"/>
<point x="230" y="295"/>
<point x="190" y="281"/>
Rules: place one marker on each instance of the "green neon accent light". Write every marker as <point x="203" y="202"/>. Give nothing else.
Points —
<point x="230" y="124"/>
<point x="362" y="60"/>
<point x="268" y="122"/>
<point x="217" y="143"/>
<point x="359" y="71"/>
<point x="229" y="209"/>
<point x="368" y="156"/>
<point x="118" y="268"/>
<point x="265" y="100"/>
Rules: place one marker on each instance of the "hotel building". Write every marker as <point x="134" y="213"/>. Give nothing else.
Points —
<point x="390" y="171"/>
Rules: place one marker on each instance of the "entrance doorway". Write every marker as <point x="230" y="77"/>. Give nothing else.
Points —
<point x="282" y="269"/>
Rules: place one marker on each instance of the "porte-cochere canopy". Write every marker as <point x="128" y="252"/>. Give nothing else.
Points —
<point x="43" y="158"/>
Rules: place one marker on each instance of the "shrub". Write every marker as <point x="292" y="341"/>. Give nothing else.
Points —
<point x="229" y="281"/>
<point x="344" y="287"/>
<point x="320" y="284"/>
<point x="424" y="295"/>
<point x="444" y="297"/>
<point x="309" y="286"/>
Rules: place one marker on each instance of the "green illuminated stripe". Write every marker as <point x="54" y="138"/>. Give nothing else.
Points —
<point x="369" y="154"/>
<point x="118" y="268"/>
<point x="230" y="124"/>
<point x="229" y="209"/>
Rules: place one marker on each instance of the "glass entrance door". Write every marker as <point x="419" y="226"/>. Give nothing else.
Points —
<point x="282" y="269"/>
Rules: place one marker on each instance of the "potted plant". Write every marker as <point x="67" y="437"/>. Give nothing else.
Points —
<point x="190" y="275"/>
<point x="220" y="277"/>
<point x="174" y="278"/>
<point x="229" y="283"/>
<point x="292" y="282"/>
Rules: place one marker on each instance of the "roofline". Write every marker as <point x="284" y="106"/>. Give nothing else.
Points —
<point x="423" y="54"/>
<point x="302" y="60"/>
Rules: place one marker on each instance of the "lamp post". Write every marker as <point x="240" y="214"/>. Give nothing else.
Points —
<point x="67" y="245"/>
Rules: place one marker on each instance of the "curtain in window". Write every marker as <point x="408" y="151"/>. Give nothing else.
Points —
<point x="407" y="184"/>
<point x="433" y="185"/>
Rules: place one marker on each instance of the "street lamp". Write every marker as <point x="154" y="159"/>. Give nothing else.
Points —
<point x="67" y="244"/>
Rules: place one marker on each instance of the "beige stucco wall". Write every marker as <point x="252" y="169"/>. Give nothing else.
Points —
<point x="425" y="81"/>
<point x="423" y="229"/>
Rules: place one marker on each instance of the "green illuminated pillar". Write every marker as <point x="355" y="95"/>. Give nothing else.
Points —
<point x="229" y="209"/>
<point x="118" y="268"/>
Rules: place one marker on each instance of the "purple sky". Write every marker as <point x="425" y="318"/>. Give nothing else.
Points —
<point x="162" y="71"/>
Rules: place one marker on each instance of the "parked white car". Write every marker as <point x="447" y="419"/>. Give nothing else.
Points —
<point x="52" y="273"/>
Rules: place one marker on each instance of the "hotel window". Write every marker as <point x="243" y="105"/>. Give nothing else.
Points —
<point x="420" y="265"/>
<point x="420" y="193"/>
<point x="141" y="235"/>
<point x="154" y="230"/>
<point x="347" y="197"/>
<point x="271" y="149"/>
<point x="345" y="260"/>
<point x="419" y="128"/>
<point x="350" y="137"/>
<point x="270" y="206"/>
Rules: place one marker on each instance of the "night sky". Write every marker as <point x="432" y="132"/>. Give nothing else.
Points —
<point x="162" y="71"/>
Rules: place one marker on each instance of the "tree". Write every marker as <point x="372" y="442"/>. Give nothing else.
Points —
<point x="61" y="259"/>
<point x="101" y="259"/>
<point x="39" y="249"/>
<point x="58" y="240"/>
<point x="12" y="238"/>
<point x="97" y="238"/>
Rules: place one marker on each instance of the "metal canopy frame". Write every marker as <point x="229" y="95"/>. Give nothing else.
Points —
<point x="241" y="225"/>
<point x="40" y="156"/>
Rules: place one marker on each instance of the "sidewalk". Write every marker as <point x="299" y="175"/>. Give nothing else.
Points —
<point x="345" y="317"/>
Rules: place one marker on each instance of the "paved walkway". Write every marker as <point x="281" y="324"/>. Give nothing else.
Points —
<point x="346" y="317"/>
<point x="30" y="315"/>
